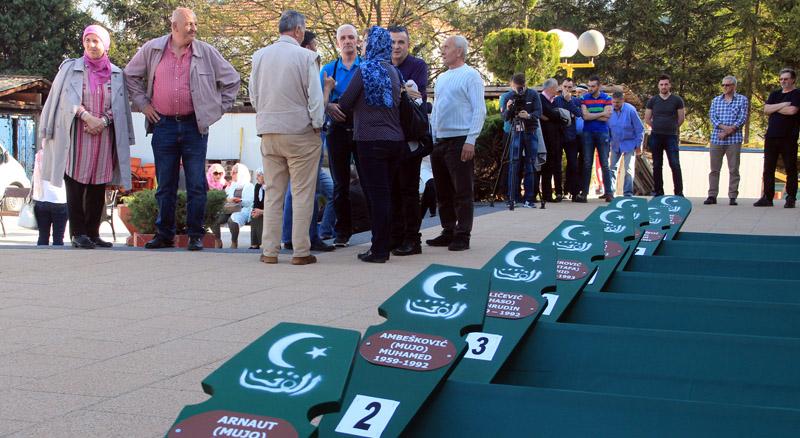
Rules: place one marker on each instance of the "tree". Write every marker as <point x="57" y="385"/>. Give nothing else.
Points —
<point x="510" y="51"/>
<point x="36" y="36"/>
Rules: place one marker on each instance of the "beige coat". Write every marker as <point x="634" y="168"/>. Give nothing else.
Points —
<point x="58" y="121"/>
<point x="285" y="89"/>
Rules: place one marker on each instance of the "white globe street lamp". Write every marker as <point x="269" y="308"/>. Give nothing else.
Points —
<point x="591" y="43"/>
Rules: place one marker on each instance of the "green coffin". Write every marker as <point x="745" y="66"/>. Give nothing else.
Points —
<point x="477" y="410"/>
<point x="686" y="314"/>
<point x="730" y="251"/>
<point x="708" y="266"/>
<point x="744" y="370"/>
<point x="727" y="288"/>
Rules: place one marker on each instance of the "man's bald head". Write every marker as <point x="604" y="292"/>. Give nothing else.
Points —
<point x="184" y="25"/>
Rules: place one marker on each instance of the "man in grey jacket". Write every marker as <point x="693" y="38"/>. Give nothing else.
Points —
<point x="285" y="90"/>
<point x="182" y="86"/>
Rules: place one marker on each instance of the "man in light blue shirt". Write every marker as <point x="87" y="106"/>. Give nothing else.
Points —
<point x="339" y="135"/>
<point x="627" y="132"/>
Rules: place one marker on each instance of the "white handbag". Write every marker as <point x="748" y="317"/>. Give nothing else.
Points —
<point x="26" y="217"/>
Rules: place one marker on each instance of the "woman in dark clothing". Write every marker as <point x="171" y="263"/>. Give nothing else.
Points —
<point x="257" y="215"/>
<point x="373" y="96"/>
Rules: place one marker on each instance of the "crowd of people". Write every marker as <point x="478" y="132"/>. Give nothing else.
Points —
<point x="582" y="122"/>
<point x="352" y="106"/>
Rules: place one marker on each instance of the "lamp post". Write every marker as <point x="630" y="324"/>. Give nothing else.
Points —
<point x="591" y="43"/>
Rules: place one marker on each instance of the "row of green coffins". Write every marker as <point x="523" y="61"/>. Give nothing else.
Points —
<point x="561" y="338"/>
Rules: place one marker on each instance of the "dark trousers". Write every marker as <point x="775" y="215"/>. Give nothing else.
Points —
<point x="454" y="191"/>
<point x="175" y="142"/>
<point x="256" y="228"/>
<point x="572" y="184"/>
<point x="379" y="160"/>
<point x="787" y="149"/>
<point x="341" y="151"/>
<point x="660" y="143"/>
<point x="405" y="202"/>
<point x="551" y="171"/>
<point x="50" y="215"/>
<point x="85" y="203"/>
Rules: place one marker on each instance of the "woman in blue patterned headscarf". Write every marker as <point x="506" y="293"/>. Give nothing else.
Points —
<point x="377" y="85"/>
<point x="373" y="96"/>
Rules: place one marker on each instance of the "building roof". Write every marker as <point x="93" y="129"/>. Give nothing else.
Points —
<point x="10" y="84"/>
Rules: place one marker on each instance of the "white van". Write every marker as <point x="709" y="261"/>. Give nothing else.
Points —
<point x="11" y="174"/>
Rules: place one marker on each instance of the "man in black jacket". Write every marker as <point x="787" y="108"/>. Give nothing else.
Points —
<point x="551" y="131"/>
<point x="522" y="110"/>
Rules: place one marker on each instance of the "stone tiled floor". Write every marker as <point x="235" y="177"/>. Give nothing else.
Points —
<point x="115" y="342"/>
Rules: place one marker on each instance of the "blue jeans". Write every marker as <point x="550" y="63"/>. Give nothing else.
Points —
<point x="522" y="148"/>
<point x="50" y="215"/>
<point x="175" y="142"/>
<point x="660" y="143"/>
<point x="627" y="166"/>
<point x="592" y="141"/>
<point x="324" y="189"/>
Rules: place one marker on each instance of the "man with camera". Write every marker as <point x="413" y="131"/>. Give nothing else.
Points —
<point x="521" y="111"/>
<point x="339" y="130"/>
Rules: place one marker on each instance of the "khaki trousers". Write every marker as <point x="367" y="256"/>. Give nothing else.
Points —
<point x="295" y="157"/>
<point x="731" y="152"/>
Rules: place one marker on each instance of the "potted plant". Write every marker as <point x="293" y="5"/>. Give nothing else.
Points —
<point x="143" y="210"/>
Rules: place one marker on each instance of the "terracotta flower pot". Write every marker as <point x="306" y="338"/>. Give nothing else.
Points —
<point x="181" y="240"/>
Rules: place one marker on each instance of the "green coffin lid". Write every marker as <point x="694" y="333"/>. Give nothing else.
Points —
<point x="402" y="361"/>
<point x="275" y="386"/>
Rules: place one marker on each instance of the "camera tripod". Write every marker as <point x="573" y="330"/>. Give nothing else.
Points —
<point x="517" y="127"/>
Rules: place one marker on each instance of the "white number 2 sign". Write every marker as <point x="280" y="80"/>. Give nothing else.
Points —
<point x="367" y="416"/>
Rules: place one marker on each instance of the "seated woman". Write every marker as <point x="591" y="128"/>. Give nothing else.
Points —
<point x="238" y="205"/>
<point x="257" y="214"/>
<point x="215" y="177"/>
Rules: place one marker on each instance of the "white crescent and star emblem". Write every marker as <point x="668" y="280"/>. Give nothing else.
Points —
<point x="429" y="286"/>
<point x="282" y="380"/>
<point x="511" y="257"/>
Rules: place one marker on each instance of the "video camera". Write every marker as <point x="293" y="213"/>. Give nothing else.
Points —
<point x="518" y="100"/>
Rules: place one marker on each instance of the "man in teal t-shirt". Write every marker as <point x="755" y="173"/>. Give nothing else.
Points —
<point x="596" y="108"/>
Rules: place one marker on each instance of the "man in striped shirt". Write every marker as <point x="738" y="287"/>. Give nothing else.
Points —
<point x="457" y="119"/>
<point x="728" y="114"/>
<point x="596" y="108"/>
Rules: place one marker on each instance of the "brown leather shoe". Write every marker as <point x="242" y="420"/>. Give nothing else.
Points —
<point x="307" y="260"/>
<point x="270" y="260"/>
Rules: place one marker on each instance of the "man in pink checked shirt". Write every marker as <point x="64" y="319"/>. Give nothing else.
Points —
<point x="182" y="86"/>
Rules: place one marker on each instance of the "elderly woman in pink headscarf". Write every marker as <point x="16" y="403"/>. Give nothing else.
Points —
<point x="86" y="134"/>
<point x="215" y="177"/>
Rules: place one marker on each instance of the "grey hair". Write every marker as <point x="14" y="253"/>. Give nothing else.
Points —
<point x="177" y="13"/>
<point x="461" y="42"/>
<point x="731" y="78"/>
<point x="291" y="20"/>
<point x="551" y="82"/>
<point x="344" y="27"/>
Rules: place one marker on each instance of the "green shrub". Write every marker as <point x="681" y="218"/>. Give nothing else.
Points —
<point x="513" y="50"/>
<point x="144" y="210"/>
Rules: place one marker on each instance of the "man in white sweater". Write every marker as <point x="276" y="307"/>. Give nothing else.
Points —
<point x="458" y="114"/>
<point x="285" y="90"/>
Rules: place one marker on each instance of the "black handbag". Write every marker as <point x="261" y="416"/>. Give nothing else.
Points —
<point x="414" y="121"/>
<point x="413" y="117"/>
